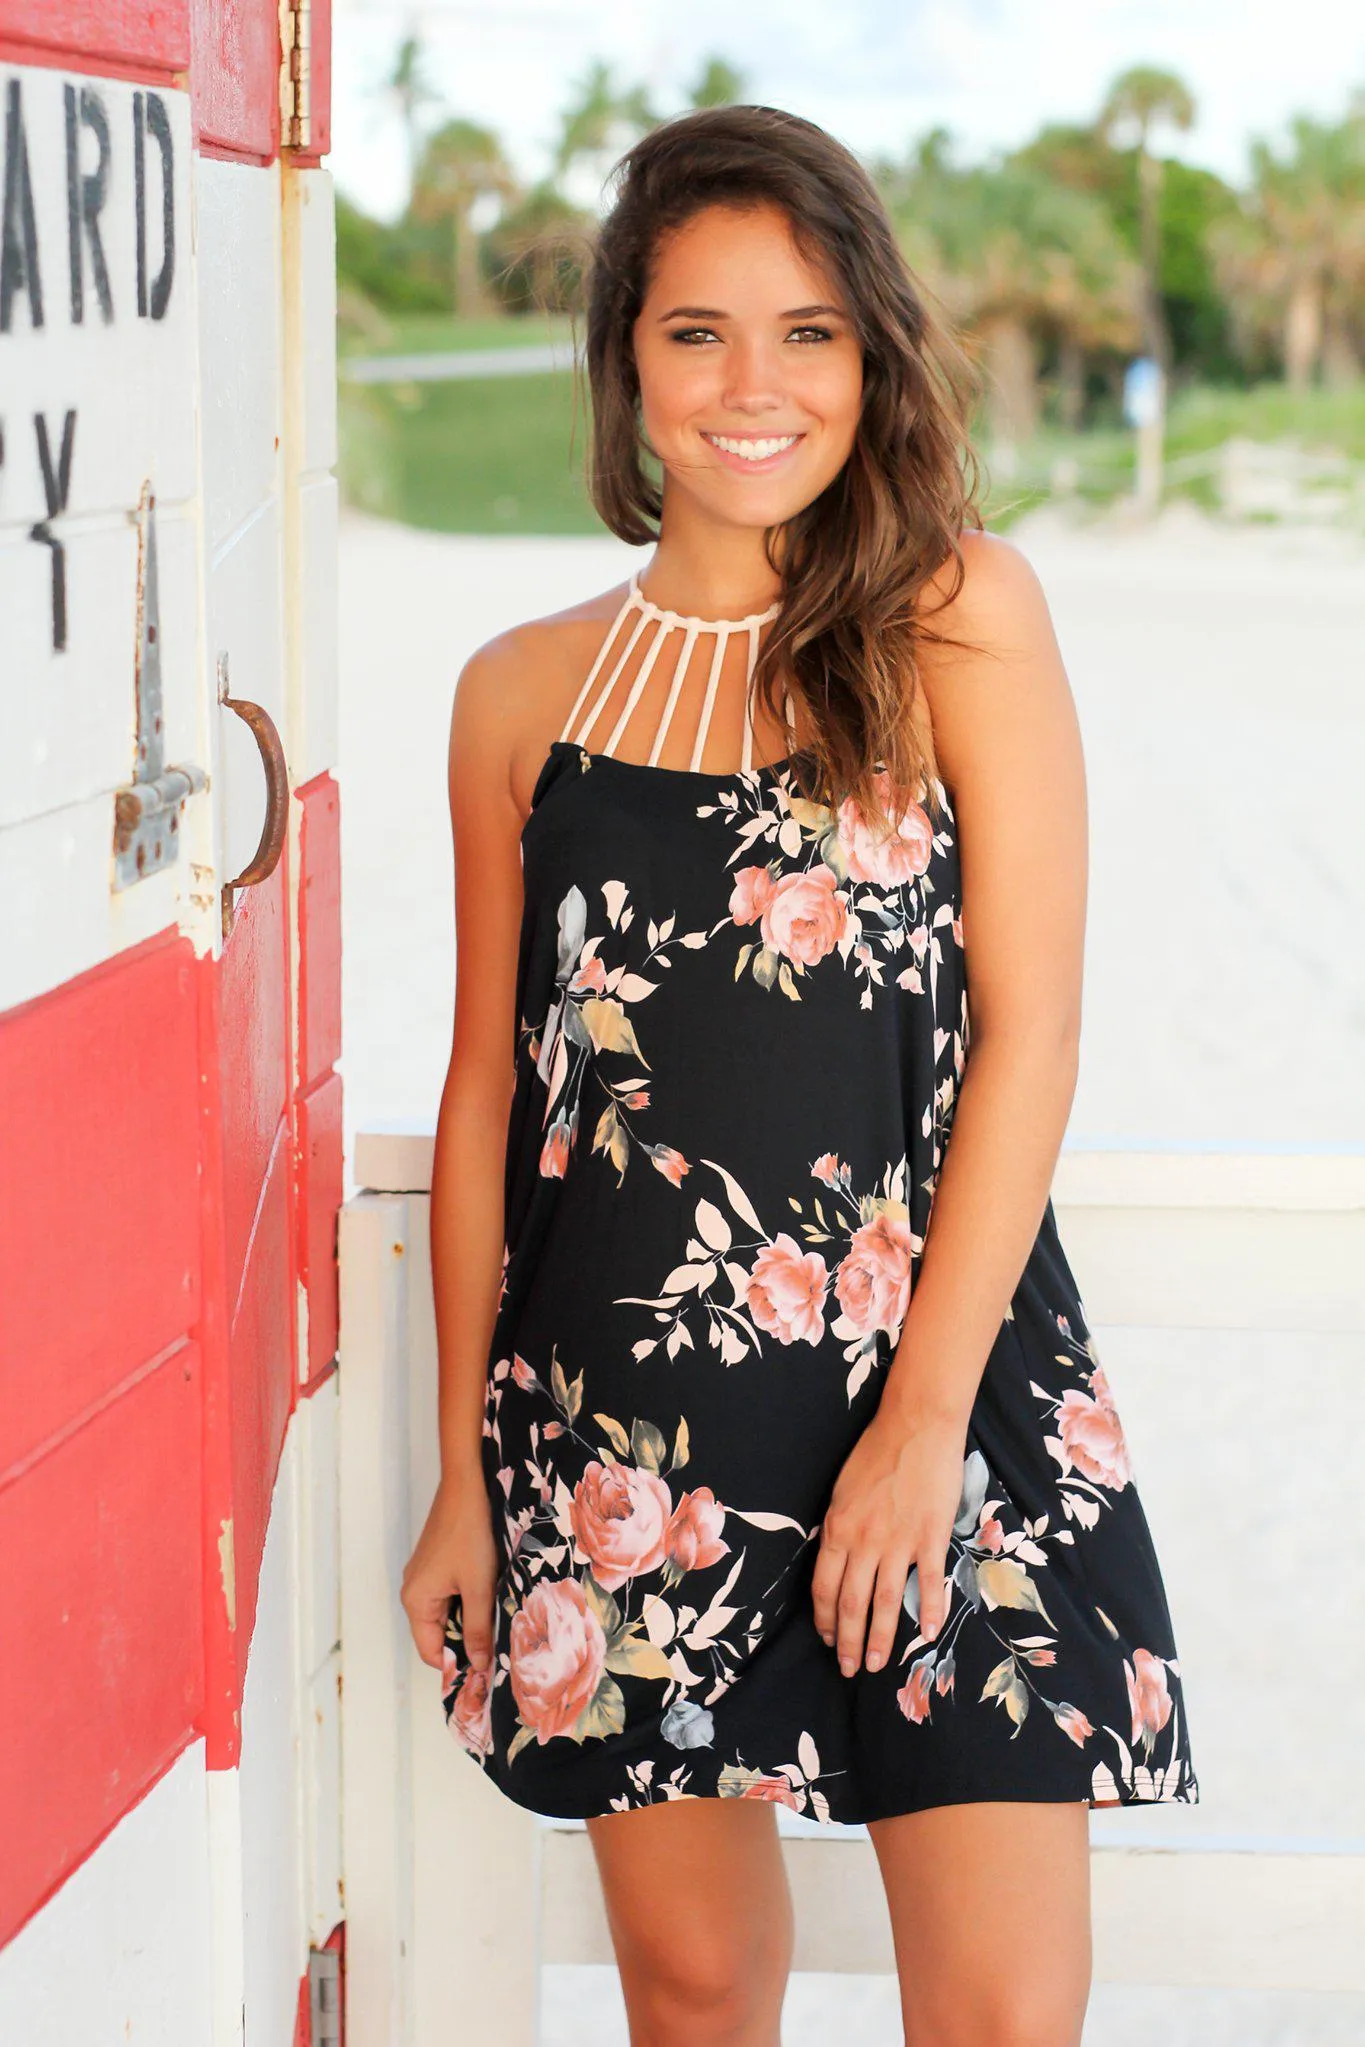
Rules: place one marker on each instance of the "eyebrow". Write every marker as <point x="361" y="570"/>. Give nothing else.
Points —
<point x="716" y="313"/>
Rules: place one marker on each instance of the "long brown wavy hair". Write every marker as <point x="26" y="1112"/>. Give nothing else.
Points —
<point x="854" y="562"/>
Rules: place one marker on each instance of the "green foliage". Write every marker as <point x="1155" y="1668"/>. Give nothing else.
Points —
<point x="390" y="265"/>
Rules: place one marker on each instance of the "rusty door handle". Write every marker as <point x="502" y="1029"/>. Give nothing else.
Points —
<point x="266" y="857"/>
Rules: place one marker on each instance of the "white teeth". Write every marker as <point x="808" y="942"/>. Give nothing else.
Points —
<point x="752" y="451"/>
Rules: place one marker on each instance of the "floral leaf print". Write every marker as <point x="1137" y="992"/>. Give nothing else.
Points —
<point x="832" y="886"/>
<point x="1089" y="1448"/>
<point x="587" y="1021"/>
<point x="773" y="1286"/>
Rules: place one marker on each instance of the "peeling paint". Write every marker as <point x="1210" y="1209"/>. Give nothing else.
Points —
<point x="227" y="1566"/>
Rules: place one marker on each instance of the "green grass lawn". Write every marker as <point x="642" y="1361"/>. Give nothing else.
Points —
<point x="486" y="455"/>
<point x="443" y="334"/>
<point x="506" y="454"/>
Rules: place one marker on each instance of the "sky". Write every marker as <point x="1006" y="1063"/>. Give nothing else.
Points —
<point x="876" y="73"/>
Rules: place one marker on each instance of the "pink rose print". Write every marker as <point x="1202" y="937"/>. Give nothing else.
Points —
<point x="751" y="894"/>
<point x="471" y="1719"/>
<point x="990" y="1535"/>
<point x="693" y="1539"/>
<point x="1092" y="1435"/>
<point x="620" y="1518"/>
<point x="828" y="1169"/>
<point x="805" y="917"/>
<point x="888" y="859"/>
<point x="776" y="1790"/>
<point x="786" y="1291"/>
<point x="558" y="1653"/>
<point x="1147" y="1695"/>
<point x="873" y="1283"/>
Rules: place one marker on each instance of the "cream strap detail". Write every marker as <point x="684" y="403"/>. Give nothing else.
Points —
<point x="664" y="623"/>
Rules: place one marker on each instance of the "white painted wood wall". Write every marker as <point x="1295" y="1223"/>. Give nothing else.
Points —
<point x="1209" y="1279"/>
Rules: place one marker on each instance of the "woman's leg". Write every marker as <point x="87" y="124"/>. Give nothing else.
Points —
<point x="701" y="1919"/>
<point x="990" y="1912"/>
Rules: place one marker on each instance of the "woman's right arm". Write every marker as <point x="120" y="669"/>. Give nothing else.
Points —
<point x="456" y="1551"/>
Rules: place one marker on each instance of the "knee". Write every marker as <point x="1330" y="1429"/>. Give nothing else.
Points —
<point x="713" y="1993"/>
<point x="1043" y="2016"/>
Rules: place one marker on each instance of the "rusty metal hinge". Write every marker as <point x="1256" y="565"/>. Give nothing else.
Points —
<point x="296" y="84"/>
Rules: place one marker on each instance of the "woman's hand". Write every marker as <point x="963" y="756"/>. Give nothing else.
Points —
<point x="455" y="1552"/>
<point x="893" y="1505"/>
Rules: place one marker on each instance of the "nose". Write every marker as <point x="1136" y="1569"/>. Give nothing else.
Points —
<point x="754" y="383"/>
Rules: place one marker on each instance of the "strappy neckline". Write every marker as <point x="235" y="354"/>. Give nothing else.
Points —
<point x="576" y="729"/>
<point x="709" y="625"/>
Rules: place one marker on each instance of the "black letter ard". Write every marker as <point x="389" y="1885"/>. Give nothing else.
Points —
<point x="56" y="489"/>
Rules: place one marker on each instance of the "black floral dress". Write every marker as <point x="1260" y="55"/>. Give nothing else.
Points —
<point x="742" y="1030"/>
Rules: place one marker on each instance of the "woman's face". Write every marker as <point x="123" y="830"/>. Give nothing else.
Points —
<point x="750" y="370"/>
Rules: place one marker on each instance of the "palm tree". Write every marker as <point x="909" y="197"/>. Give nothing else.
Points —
<point x="412" y="92"/>
<point x="1296" y="254"/>
<point x="599" y="122"/>
<point x="460" y="164"/>
<point x="1014" y="258"/>
<point x="1144" y="98"/>
<point x="719" y="85"/>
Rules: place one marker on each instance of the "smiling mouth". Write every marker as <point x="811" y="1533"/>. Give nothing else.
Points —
<point x="753" y="449"/>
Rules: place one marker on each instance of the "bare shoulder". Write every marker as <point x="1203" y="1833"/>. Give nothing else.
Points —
<point x="514" y="691"/>
<point x="995" y="682"/>
<point x="999" y="600"/>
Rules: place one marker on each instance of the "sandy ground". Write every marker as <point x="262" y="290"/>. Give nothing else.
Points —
<point x="1220" y="682"/>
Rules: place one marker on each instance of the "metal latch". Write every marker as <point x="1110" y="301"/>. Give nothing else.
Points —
<point x="147" y="812"/>
<point x="324" y="1996"/>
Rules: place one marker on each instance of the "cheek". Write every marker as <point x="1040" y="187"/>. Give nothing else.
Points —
<point x="674" y="386"/>
<point x="833" y="391"/>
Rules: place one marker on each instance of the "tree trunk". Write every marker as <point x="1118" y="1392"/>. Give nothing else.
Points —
<point x="1012" y="374"/>
<point x="1156" y="338"/>
<point x="1303" y="331"/>
<point x="1340" y="358"/>
<point x="1071" y="383"/>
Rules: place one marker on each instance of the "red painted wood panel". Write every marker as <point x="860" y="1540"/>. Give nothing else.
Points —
<point x="235" y="78"/>
<point x="319" y="928"/>
<point x="100" y="1611"/>
<point x="261" y="1363"/>
<point x="320" y="1190"/>
<point x="253" y="994"/>
<point x="99" y="1196"/>
<point x="123" y="38"/>
<point x="251" y="1311"/>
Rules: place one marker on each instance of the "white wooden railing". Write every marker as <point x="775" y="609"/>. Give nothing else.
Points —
<point x="1226" y="1292"/>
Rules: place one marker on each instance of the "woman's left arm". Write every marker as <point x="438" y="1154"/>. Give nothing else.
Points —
<point x="1008" y="745"/>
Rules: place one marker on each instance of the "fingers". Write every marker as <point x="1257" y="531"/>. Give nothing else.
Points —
<point x="846" y="1583"/>
<point x="477" y="1610"/>
<point x="854" y="1595"/>
<point x="892" y="1573"/>
<point x="427" y="1613"/>
<point x="825" y="1582"/>
<point x="933" y="1593"/>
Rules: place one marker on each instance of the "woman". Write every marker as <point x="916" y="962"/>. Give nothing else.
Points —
<point x="794" y="1499"/>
